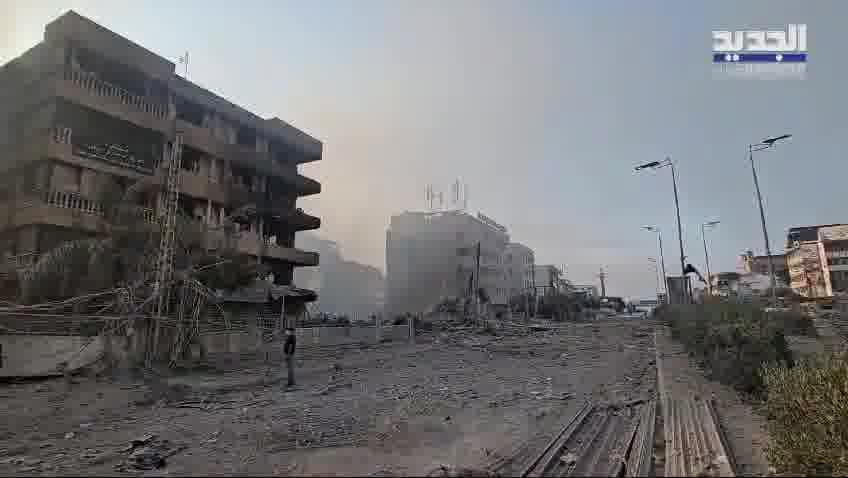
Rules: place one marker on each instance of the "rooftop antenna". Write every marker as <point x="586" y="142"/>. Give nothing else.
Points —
<point x="465" y="198"/>
<point x="603" y="277"/>
<point x="184" y="61"/>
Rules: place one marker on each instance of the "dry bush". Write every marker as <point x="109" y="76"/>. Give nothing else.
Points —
<point x="807" y="407"/>
<point x="732" y="341"/>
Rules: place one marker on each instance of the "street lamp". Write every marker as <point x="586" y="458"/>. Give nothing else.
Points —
<point x="657" y="270"/>
<point x="763" y="145"/>
<point x="662" y="164"/>
<point x="704" y="226"/>
<point x="662" y="256"/>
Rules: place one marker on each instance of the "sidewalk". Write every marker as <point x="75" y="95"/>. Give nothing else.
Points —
<point x="681" y="379"/>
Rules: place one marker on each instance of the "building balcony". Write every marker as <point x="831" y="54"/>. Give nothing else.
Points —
<point x="61" y="208"/>
<point x="200" y="186"/>
<point x="87" y="90"/>
<point x="251" y="243"/>
<point x="202" y="139"/>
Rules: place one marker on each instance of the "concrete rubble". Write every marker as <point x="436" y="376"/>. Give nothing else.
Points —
<point x="459" y="396"/>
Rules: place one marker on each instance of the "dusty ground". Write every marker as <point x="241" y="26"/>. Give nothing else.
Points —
<point x="458" y="398"/>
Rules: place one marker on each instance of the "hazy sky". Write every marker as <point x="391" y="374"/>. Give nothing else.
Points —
<point x="542" y="107"/>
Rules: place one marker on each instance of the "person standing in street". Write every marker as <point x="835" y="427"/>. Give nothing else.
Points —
<point x="288" y="350"/>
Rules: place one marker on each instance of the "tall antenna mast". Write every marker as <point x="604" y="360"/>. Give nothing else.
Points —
<point x="184" y="61"/>
<point x="168" y="216"/>
<point x="603" y="277"/>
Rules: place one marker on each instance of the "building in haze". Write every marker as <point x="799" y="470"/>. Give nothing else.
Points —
<point x="518" y="263"/>
<point x="432" y="255"/>
<point x="344" y="287"/>
<point x="87" y="110"/>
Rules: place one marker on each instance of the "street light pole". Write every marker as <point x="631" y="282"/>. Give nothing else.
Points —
<point x="707" y="255"/>
<point x="656" y="273"/>
<point x="679" y="227"/>
<point x="662" y="256"/>
<point x="765" y="144"/>
<point x="763" y="222"/>
<point x="661" y="164"/>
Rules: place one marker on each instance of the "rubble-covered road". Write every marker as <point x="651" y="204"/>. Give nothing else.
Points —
<point x="458" y="398"/>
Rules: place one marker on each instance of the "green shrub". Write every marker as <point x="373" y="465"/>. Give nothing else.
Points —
<point x="807" y="407"/>
<point x="732" y="341"/>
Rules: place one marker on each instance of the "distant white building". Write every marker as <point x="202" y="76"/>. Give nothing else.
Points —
<point x="547" y="278"/>
<point x="432" y="255"/>
<point x="518" y="261"/>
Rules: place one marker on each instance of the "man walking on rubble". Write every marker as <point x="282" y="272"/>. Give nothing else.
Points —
<point x="288" y="350"/>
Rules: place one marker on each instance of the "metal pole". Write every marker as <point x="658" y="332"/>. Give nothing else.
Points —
<point x="477" y="287"/>
<point x="657" y="271"/>
<point x="662" y="264"/>
<point x="707" y="260"/>
<point x="679" y="227"/>
<point x="763" y="222"/>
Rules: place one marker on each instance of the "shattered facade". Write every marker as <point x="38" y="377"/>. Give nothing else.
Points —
<point x="87" y="110"/>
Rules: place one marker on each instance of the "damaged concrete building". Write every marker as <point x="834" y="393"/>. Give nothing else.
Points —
<point x="86" y="110"/>
<point x="818" y="260"/>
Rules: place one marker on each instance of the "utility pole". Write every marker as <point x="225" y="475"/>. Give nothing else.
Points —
<point x="477" y="286"/>
<point x="533" y="283"/>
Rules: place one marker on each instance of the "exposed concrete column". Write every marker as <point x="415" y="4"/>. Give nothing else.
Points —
<point x="209" y="212"/>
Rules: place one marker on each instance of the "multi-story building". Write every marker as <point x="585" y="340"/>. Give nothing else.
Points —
<point x="518" y="262"/>
<point x="752" y="264"/>
<point x="86" y="110"/>
<point x="547" y="278"/>
<point x="818" y="260"/>
<point x="433" y="255"/>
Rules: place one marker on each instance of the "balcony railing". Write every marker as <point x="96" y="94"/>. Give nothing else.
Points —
<point x="89" y="82"/>
<point x="112" y="153"/>
<point x="21" y="260"/>
<point x="77" y="202"/>
<point x="71" y="200"/>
